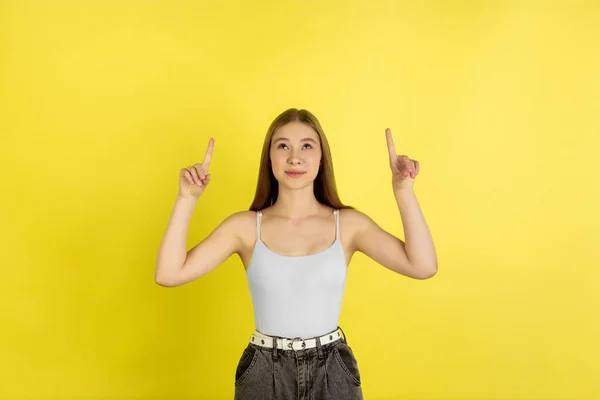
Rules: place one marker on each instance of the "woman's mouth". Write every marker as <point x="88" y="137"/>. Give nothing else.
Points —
<point x="294" y="174"/>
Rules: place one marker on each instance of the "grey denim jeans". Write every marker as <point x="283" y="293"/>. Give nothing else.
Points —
<point x="325" y="372"/>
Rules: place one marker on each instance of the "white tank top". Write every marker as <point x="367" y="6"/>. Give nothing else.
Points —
<point x="297" y="296"/>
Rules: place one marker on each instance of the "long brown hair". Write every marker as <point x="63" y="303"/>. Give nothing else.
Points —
<point x="267" y="187"/>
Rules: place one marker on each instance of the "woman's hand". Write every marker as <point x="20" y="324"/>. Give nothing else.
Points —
<point x="194" y="179"/>
<point x="404" y="170"/>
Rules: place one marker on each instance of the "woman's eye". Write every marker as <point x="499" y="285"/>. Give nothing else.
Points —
<point x="283" y="144"/>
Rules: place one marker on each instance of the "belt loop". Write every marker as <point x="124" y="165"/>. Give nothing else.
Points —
<point x="344" y="333"/>
<point x="274" y="348"/>
<point x="319" y="349"/>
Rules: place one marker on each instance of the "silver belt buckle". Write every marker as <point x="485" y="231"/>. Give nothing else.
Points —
<point x="294" y="340"/>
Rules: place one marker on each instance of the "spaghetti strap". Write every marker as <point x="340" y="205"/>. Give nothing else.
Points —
<point x="258" y="215"/>
<point x="337" y="223"/>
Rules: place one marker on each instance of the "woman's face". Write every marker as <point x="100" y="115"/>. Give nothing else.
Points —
<point x="295" y="147"/>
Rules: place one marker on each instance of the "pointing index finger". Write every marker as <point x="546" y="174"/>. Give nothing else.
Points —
<point x="208" y="155"/>
<point x="390" y="143"/>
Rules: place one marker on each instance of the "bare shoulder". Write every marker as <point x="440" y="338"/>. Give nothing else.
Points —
<point x="244" y="225"/>
<point x="354" y="216"/>
<point x="244" y="216"/>
<point x="353" y="222"/>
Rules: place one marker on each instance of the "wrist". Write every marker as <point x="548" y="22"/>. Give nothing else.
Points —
<point x="186" y="199"/>
<point x="406" y="191"/>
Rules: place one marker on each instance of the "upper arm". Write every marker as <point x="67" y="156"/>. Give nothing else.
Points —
<point x="381" y="246"/>
<point x="218" y="246"/>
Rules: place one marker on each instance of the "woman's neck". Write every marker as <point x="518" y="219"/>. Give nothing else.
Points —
<point x="297" y="204"/>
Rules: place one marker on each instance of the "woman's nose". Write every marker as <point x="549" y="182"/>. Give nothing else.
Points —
<point x="294" y="158"/>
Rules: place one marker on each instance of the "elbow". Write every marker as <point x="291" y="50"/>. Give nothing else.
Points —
<point x="161" y="282"/>
<point x="431" y="275"/>
<point x="426" y="272"/>
<point x="431" y="272"/>
<point x="164" y="281"/>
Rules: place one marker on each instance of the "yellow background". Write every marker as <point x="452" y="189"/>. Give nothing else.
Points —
<point x="104" y="101"/>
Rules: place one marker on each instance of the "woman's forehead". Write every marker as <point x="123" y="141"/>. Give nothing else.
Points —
<point x="295" y="131"/>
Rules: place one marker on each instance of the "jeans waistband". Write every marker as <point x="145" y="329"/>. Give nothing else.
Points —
<point x="297" y="344"/>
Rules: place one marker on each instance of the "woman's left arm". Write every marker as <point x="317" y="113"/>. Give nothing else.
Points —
<point x="416" y="257"/>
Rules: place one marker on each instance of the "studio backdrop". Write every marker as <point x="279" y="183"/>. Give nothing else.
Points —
<point x="103" y="102"/>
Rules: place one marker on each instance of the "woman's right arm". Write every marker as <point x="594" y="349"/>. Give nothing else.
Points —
<point x="175" y="266"/>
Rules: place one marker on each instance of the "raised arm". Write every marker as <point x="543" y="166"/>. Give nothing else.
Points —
<point x="176" y="266"/>
<point x="415" y="257"/>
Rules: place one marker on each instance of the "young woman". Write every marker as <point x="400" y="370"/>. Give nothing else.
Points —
<point x="295" y="243"/>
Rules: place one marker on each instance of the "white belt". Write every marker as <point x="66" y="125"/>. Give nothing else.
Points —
<point x="296" y="344"/>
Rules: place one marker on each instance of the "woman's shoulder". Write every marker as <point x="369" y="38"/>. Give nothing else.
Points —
<point x="352" y="214"/>
<point x="354" y="220"/>
<point x="241" y="224"/>
<point x="242" y="218"/>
